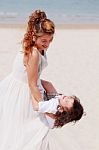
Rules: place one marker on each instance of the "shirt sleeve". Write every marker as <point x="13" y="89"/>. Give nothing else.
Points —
<point x="49" y="106"/>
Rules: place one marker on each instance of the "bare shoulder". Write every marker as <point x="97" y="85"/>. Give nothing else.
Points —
<point x="34" y="56"/>
<point x="35" y="53"/>
<point x="32" y="59"/>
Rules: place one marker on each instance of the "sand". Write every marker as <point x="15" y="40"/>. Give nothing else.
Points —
<point x="73" y="68"/>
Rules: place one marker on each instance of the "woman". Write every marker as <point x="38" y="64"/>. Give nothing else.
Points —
<point x="21" y="128"/>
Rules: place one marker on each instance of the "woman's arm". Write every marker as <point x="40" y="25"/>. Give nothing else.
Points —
<point x="32" y="73"/>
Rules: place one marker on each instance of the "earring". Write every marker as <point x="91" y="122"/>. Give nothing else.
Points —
<point x="34" y="38"/>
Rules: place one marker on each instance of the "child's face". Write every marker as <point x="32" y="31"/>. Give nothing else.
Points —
<point x="66" y="102"/>
<point x="43" y="42"/>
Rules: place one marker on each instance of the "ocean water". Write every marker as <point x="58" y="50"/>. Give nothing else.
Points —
<point x="60" y="11"/>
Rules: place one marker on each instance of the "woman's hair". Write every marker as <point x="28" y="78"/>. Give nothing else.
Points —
<point x="38" y="24"/>
<point x="73" y="115"/>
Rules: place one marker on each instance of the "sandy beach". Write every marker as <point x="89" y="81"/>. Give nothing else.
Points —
<point x="73" y="59"/>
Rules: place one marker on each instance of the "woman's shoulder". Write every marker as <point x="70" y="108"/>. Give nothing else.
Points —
<point x="32" y="58"/>
<point x="35" y="53"/>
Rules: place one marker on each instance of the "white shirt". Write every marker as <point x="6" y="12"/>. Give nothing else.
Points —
<point x="49" y="106"/>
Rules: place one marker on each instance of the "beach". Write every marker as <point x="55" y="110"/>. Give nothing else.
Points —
<point x="73" y="67"/>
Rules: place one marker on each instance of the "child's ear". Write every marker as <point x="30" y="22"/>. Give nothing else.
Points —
<point x="60" y="109"/>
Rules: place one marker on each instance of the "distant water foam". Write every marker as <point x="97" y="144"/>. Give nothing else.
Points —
<point x="15" y="17"/>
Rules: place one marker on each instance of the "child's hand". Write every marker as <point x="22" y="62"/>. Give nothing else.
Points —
<point x="51" y="115"/>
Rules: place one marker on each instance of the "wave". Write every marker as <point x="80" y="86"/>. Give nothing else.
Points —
<point x="9" y="14"/>
<point x="64" y="18"/>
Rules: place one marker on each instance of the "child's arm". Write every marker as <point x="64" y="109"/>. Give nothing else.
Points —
<point x="51" y="115"/>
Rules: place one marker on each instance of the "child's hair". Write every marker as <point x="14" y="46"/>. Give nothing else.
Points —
<point x="37" y="25"/>
<point x="73" y="115"/>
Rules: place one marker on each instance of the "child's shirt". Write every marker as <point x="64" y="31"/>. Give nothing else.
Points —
<point x="49" y="106"/>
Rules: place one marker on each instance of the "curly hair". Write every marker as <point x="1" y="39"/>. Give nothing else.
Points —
<point x="38" y="24"/>
<point x="73" y="115"/>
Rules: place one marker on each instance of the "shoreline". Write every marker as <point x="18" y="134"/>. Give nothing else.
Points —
<point x="58" y="26"/>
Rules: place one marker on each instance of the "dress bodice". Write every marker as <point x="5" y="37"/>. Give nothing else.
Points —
<point x="19" y="70"/>
<point x="20" y="74"/>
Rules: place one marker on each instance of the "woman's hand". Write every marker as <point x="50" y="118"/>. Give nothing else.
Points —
<point x="35" y="104"/>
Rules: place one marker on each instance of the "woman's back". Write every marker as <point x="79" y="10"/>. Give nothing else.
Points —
<point x="19" y="69"/>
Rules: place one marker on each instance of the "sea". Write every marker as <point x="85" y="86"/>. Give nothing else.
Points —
<point x="60" y="11"/>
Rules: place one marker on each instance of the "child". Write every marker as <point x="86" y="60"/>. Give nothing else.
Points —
<point x="60" y="110"/>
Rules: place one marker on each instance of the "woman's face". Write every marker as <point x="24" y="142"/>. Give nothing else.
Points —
<point x="43" y="42"/>
<point x="66" y="102"/>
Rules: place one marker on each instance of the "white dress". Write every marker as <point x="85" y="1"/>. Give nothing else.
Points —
<point x="21" y="128"/>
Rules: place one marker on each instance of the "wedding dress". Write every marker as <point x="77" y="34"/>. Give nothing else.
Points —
<point x="21" y="128"/>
